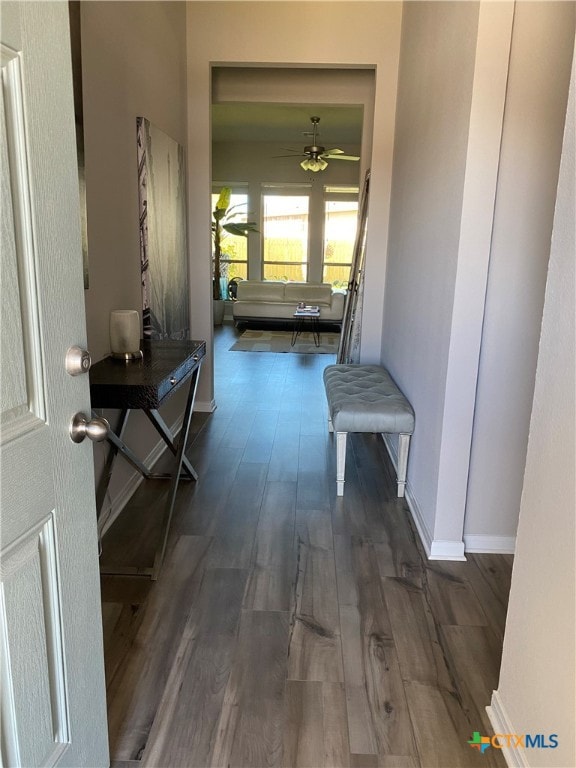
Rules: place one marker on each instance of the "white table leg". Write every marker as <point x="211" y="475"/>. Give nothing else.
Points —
<point x="340" y="462"/>
<point x="403" y="447"/>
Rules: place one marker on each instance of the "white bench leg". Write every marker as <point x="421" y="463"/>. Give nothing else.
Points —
<point x="403" y="447"/>
<point x="330" y="425"/>
<point x="340" y="462"/>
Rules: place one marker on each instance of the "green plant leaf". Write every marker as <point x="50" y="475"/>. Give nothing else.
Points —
<point x="240" y="228"/>
<point x="224" y="199"/>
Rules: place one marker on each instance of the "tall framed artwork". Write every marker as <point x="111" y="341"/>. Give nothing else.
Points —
<point x="76" y="51"/>
<point x="351" y="333"/>
<point x="163" y="242"/>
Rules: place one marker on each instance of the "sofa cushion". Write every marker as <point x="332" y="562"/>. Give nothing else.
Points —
<point x="260" y="290"/>
<point x="263" y="310"/>
<point x="309" y="293"/>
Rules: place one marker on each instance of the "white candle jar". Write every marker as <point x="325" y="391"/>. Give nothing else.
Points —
<point x="125" y="334"/>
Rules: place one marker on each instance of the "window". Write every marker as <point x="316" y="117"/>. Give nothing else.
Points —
<point x="234" y="261"/>
<point x="340" y="221"/>
<point x="285" y="236"/>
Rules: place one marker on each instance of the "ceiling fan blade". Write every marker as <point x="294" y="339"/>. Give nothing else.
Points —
<point x="333" y="152"/>
<point x="339" y="157"/>
<point x="297" y="154"/>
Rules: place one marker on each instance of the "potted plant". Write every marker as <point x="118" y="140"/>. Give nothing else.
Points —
<point x="225" y="221"/>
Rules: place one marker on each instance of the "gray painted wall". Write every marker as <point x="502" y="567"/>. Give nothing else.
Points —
<point x="134" y="63"/>
<point x="536" y="689"/>
<point x="433" y="114"/>
<point x="482" y="94"/>
<point x="539" y="73"/>
<point x="134" y="59"/>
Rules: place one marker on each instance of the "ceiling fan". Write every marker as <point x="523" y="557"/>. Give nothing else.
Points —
<point x="315" y="156"/>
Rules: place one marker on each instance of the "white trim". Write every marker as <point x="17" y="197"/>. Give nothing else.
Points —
<point x="118" y="503"/>
<point x="205" y="406"/>
<point x="499" y="545"/>
<point x="122" y="498"/>
<point x="515" y="758"/>
<point x="436" y="549"/>
<point x="421" y="527"/>
<point x="418" y="519"/>
<point x="446" y="549"/>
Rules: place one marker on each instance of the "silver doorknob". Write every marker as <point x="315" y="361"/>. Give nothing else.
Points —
<point x="77" y="361"/>
<point x="94" y="429"/>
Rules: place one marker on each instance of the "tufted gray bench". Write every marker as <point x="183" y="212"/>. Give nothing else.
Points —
<point x="365" y="398"/>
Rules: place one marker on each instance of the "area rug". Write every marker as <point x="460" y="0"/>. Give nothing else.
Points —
<point x="279" y="341"/>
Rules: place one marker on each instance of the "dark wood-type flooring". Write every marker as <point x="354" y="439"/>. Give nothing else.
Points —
<point x="290" y="627"/>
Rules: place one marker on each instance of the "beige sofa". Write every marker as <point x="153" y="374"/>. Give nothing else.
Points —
<point x="276" y="300"/>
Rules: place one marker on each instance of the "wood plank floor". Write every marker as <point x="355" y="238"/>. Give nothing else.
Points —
<point x="290" y="627"/>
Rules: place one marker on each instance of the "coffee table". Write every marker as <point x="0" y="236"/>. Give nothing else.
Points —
<point x="300" y="318"/>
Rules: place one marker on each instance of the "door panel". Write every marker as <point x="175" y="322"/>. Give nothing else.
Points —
<point x="21" y="382"/>
<point x="53" y="693"/>
<point x="32" y="642"/>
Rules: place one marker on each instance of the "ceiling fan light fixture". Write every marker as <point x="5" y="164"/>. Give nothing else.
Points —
<point x="316" y="156"/>
<point x="313" y="164"/>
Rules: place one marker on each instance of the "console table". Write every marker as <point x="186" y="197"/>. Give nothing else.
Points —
<point x="145" y="385"/>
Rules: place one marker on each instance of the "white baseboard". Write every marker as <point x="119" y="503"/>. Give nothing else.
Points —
<point x="418" y="520"/>
<point x="446" y="549"/>
<point x="125" y="493"/>
<point x="205" y="406"/>
<point x="499" y="545"/>
<point x="515" y="758"/>
<point x="436" y="549"/>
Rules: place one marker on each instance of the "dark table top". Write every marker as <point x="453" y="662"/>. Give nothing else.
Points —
<point x="148" y="382"/>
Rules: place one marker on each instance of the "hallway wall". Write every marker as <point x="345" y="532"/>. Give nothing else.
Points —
<point x="133" y="57"/>
<point x="435" y="92"/>
<point x="133" y="63"/>
<point x="536" y="689"/>
<point x="481" y="105"/>
<point x="539" y="76"/>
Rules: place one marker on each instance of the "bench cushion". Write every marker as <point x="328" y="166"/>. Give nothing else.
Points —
<point x="365" y="398"/>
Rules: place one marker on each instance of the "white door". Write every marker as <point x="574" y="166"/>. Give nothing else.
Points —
<point x="53" y="692"/>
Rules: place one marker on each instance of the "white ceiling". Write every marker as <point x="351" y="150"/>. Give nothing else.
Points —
<point x="286" y="123"/>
